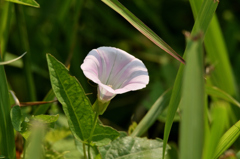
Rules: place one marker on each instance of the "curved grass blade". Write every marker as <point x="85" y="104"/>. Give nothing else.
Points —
<point x="10" y="61"/>
<point x="202" y="22"/>
<point x="216" y="92"/>
<point x="31" y="3"/>
<point x="227" y="139"/>
<point x="140" y="26"/>
<point x="153" y="114"/>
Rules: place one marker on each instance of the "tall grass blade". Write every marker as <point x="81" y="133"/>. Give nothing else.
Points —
<point x="192" y="122"/>
<point x="202" y="22"/>
<point x="5" y="17"/>
<point x="34" y="145"/>
<point x="140" y="26"/>
<point x="219" y="116"/>
<point x="222" y="75"/>
<point x="7" y="146"/>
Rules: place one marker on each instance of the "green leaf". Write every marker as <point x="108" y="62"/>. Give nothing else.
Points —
<point x="22" y="124"/>
<point x="216" y="92"/>
<point x="127" y="147"/>
<point x="77" y="106"/>
<point x="153" y="114"/>
<point x="227" y="139"/>
<point x="46" y="119"/>
<point x="140" y="26"/>
<point x="201" y="24"/>
<point x="17" y="118"/>
<point x="31" y="3"/>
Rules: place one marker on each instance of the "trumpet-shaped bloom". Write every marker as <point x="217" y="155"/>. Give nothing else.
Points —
<point x="115" y="71"/>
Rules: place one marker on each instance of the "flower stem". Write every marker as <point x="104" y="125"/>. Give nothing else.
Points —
<point x="91" y="134"/>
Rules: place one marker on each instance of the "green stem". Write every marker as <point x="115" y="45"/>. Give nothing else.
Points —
<point x="84" y="151"/>
<point x="73" y="36"/>
<point x="91" y="134"/>
<point x="27" y="59"/>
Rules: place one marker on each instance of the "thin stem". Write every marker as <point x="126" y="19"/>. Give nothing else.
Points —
<point x="73" y="36"/>
<point x="84" y="151"/>
<point x="91" y="134"/>
<point x="25" y="44"/>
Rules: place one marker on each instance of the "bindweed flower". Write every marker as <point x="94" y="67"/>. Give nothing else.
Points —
<point x="115" y="71"/>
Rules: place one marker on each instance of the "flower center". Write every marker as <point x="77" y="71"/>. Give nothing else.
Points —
<point x="110" y="85"/>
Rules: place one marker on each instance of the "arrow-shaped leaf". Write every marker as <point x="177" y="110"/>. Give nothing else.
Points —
<point x="77" y="106"/>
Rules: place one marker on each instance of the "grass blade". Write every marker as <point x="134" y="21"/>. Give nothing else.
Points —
<point x="192" y="123"/>
<point x="208" y="8"/>
<point x="140" y="26"/>
<point x="216" y="92"/>
<point x="152" y="115"/>
<point x="31" y="3"/>
<point x="7" y="146"/>
<point x="5" y="17"/>
<point x="227" y="139"/>
<point x="34" y="146"/>
<point x="219" y="117"/>
<point x="222" y="76"/>
<point x="10" y="61"/>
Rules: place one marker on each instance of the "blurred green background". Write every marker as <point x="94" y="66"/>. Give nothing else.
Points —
<point x="70" y="29"/>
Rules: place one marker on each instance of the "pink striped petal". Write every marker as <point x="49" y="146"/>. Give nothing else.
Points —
<point x="115" y="71"/>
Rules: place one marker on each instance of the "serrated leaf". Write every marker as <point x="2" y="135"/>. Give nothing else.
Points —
<point x="31" y="3"/>
<point x="76" y="105"/>
<point x="127" y="147"/>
